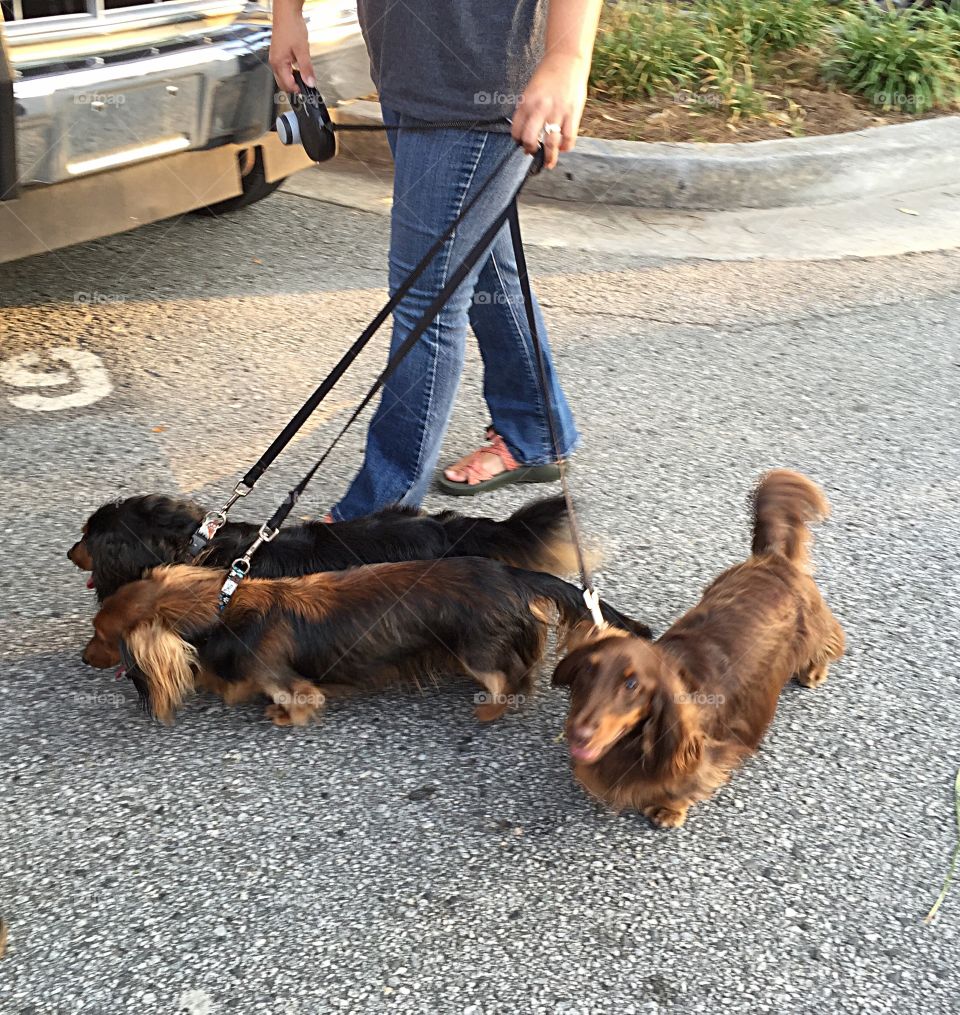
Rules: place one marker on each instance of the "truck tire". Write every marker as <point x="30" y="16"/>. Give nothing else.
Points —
<point x="255" y="188"/>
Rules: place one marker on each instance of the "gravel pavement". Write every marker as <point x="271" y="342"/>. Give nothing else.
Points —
<point x="398" y="857"/>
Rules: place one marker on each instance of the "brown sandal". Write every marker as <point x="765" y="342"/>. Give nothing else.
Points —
<point x="513" y="472"/>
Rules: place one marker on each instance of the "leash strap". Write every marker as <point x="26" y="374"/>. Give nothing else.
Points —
<point x="590" y="596"/>
<point x="510" y="214"/>
<point x="339" y="128"/>
<point x="215" y="520"/>
<point x="269" y="530"/>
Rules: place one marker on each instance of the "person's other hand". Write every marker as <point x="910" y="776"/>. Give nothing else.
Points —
<point x="290" y="46"/>
<point x="555" y="95"/>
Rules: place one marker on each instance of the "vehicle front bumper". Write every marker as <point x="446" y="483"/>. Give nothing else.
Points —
<point x="185" y="86"/>
<point x="118" y="131"/>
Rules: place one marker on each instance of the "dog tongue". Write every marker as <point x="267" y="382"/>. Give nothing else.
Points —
<point x="584" y="754"/>
<point x="90" y="584"/>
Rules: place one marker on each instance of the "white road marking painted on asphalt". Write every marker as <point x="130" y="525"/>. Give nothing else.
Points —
<point x="85" y="368"/>
<point x="16" y="371"/>
<point x="195" y="1002"/>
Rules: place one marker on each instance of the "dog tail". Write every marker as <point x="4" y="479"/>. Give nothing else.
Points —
<point x="785" y="503"/>
<point x="542" y="591"/>
<point x="163" y="667"/>
<point x="535" y="538"/>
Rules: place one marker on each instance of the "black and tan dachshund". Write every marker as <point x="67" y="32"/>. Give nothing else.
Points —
<point x="122" y="540"/>
<point x="302" y="641"/>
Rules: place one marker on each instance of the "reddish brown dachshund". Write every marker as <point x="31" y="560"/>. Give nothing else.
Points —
<point x="658" y="726"/>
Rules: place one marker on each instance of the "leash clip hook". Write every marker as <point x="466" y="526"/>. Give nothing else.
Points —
<point x="238" y="571"/>
<point x="214" y="521"/>
<point x="592" y="598"/>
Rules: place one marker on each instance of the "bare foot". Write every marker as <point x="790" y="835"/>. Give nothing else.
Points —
<point x="482" y="464"/>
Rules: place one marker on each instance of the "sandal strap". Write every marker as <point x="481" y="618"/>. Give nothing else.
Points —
<point x="500" y="449"/>
<point x="473" y="464"/>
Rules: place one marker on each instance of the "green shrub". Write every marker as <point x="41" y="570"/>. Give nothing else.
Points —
<point x="951" y="18"/>
<point x="642" y="49"/>
<point x="765" y="26"/>
<point x="727" y="69"/>
<point x="898" y="59"/>
<point x="719" y="49"/>
<point x="715" y="46"/>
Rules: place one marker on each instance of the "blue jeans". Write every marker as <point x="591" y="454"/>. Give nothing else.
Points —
<point x="435" y="174"/>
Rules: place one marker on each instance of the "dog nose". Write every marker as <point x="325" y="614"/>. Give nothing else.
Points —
<point x="583" y="733"/>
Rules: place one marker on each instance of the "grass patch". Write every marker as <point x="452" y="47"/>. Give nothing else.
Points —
<point x="643" y="49"/>
<point x="952" y="868"/>
<point x="730" y="53"/>
<point x="897" y="59"/>
<point x="765" y="26"/>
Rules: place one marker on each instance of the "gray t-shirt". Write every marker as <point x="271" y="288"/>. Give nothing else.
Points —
<point x="453" y="59"/>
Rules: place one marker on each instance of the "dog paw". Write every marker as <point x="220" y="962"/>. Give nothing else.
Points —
<point x="489" y="712"/>
<point x="814" y="676"/>
<point x="666" y="817"/>
<point x="278" y="715"/>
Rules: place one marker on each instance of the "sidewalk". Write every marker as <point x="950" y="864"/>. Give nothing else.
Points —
<point x="896" y="224"/>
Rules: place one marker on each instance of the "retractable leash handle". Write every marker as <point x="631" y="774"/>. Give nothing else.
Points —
<point x="308" y="123"/>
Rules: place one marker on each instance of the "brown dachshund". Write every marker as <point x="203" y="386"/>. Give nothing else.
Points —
<point x="658" y="726"/>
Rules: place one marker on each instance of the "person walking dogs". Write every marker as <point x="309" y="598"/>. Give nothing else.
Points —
<point x="520" y="67"/>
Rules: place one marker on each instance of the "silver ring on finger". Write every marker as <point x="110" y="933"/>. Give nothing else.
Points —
<point x="551" y="128"/>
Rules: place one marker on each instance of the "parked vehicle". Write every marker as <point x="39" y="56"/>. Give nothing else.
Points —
<point x="114" y="113"/>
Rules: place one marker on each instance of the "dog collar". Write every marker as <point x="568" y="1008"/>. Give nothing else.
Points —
<point x="238" y="571"/>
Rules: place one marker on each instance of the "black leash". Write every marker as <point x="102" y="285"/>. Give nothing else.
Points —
<point x="510" y="214"/>
<point x="590" y="595"/>
<point x="215" y="520"/>
<point x="268" y="531"/>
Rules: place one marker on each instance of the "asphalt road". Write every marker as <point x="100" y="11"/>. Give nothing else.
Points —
<point x="398" y="857"/>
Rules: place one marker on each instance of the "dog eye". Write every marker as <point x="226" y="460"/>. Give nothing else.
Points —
<point x="630" y="684"/>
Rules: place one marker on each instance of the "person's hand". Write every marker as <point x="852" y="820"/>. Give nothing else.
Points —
<point x="290" y="46"/>
<point x="555" y="95"/>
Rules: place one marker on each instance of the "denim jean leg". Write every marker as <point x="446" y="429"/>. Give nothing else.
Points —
<point x="435" y="174"/>
<point x="511" y="379"/>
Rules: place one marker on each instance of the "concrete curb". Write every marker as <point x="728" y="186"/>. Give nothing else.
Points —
<point x="723" y="177"/>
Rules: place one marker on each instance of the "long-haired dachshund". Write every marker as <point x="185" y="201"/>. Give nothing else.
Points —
<point x="122" y="540"/>
<point x="300" y="641"/>
<point x="658" y="726"/>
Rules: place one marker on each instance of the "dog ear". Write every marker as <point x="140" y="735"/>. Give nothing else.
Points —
<point x="673" y="740"/>
<point x="569" y="668"/>
<point x="118" y="558"/>
<point x="163" y="667"/>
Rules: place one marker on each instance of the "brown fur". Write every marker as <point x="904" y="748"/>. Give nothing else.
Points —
<point x="158" y="649"/>
<point x="657" y="727"/>
<point x="301" y="641"/>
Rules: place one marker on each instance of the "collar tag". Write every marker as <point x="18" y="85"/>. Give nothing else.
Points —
<point x="236" y="574"/>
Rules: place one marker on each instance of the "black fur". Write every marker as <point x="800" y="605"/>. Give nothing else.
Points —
<point x="126" y="538"/>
